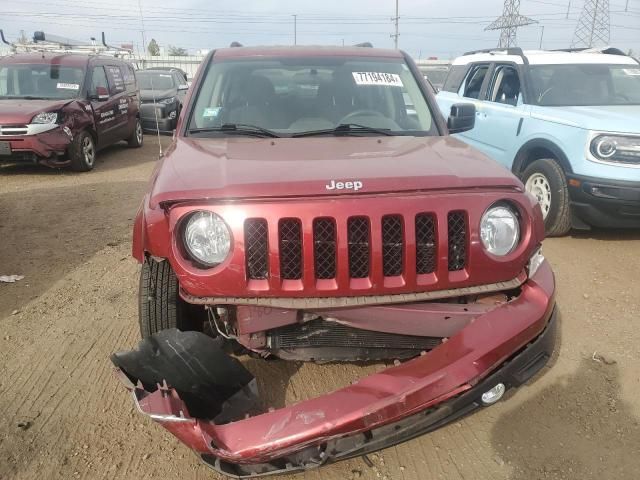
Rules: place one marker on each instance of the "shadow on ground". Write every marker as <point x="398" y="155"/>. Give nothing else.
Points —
<point x="577" y="428"/>
<point x="606" y="235"/>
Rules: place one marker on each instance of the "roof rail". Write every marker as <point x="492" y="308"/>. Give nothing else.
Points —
<point x="508" y="51"/>
<point x="364" y="45"/>
<point x="603" y="50"/>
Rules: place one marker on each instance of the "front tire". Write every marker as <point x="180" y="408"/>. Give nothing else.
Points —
<point x="82" y="152"/>
<point x="160" y="305"/>
<point x="546" y="181"/>
<point x="137" y="136"/>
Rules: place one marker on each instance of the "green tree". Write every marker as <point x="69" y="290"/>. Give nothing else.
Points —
<point x="176" y="51"/>
<point x="153" y="48"/>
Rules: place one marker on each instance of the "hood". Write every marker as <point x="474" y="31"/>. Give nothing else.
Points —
<point x="20" y="111"/>
<point x="607" y="118"/>
<point x="158" y="94"/>
<point x="229" y="168"/>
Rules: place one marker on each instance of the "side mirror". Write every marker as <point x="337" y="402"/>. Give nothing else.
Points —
<point x="462" y="117"/>
<point x="183" y="87"/>
<point x="101" y="94"/>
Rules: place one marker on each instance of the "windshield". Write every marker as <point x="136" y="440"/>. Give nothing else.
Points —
<point x="585" y="85"/>
<point x="155" y="81"/>
<point x="50" y="82"/>
<point x="296" y="95"/>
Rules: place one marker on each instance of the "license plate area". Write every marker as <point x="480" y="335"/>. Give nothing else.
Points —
<point x="5" y="148"/>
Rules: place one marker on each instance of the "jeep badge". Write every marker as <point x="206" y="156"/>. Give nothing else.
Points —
<point x="333" y="185"/>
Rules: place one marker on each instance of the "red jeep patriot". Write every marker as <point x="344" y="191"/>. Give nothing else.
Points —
<point x="313" y="207"/>
<point x="58" y="109"/>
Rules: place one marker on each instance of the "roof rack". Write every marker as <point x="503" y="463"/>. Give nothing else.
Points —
<point x="507" y="51"/>
<point x="43" y="43"/>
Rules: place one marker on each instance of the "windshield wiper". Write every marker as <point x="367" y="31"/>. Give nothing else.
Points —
<point x="239" y="129"/>
<point x="346" y="129"/>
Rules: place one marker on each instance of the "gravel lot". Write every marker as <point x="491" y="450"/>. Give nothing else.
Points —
<point x="64" y="415"/>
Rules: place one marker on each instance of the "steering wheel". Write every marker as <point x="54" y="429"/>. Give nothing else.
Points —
<point x="360" y="113"/>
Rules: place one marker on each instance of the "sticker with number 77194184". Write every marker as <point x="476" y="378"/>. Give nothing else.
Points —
<point x="378" y="78"/>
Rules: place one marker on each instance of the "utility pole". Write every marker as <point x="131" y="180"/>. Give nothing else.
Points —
<point x="295" y="29"/>
<point x="509" y="22"/>
<point x="396" y="20"/>
<point x="144" y="43"/>
<point x="594" y="27"/>
<point x="541" y="36"/>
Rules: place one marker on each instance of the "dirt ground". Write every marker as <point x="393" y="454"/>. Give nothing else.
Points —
<point x="64" y="415"/>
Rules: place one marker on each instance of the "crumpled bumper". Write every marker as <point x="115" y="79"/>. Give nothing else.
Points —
<point x="508" y="345"/>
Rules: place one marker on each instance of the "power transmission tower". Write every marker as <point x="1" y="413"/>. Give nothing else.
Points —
<point x="594" y="27"/>
<point x="509" y="22"/>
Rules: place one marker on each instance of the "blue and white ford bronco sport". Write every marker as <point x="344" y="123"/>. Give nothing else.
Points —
<point x="566" y="122"/>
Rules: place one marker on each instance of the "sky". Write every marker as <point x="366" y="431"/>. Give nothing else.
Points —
<point x="428" y="28"/>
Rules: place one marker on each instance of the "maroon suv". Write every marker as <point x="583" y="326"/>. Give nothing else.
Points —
<point x="313" y="207"/>
<point x="59" y="109"/>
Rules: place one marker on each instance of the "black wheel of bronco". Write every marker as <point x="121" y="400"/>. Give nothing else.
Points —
<point x="160" y="305"/>
<point x="137" y="137"/>
<point x="82" y="152"/>
<point x="545" y="180"/>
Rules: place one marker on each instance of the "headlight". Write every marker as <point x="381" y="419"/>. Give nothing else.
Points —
<point x="207" y="238"/>
<point x="167" y="101"/>
<point x="500" y="230"/>
<point x="45" y="117"/>
<point x="616" y="148"/>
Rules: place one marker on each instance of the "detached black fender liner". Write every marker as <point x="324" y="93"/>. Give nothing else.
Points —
<point x="212" y="384"/>
<point x="513" y="373"/>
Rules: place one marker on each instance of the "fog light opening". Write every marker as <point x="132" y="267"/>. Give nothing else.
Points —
<point x="493" y="395"/>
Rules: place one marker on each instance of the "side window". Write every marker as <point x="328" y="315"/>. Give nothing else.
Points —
<point x="116" y="80"/>
<point x="98" y="79"/>
<point x="454" y="78"/>
<point x="178" y="79"/>
<point x="505" y="85"/>
<point x="129" y="77"/>
<point x="472" y="84"/>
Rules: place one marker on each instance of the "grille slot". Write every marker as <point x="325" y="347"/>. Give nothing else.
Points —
<point x="256" y="234"/>
<point x="324" y="248"/>
<point x="358" y="233"/>
<point x="290" y="230"/>
<point x="392" y="246"/>
<point x="426" y="253"/>
<point x="457" y="228"/>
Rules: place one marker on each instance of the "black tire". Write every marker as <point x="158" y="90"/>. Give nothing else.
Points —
<point x="558" y="216"/>
<point x="160" y="305"/>
<point x="137" y="136"/>
<point x="82" y="152"/>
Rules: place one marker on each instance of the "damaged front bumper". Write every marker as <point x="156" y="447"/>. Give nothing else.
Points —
<point x="507" y="345"/>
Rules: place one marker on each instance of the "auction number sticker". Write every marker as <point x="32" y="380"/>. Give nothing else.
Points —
<point x="632" y="71"/>
<point x="68" y="86"/>
<point x="378" y="78"/>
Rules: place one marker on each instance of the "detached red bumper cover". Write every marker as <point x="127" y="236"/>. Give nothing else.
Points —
<point x="507" y="345"/>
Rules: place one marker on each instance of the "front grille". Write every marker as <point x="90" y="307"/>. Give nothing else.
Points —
<point x="457" y="226"/>
<point x="13" y="130"/>
<point x="256" y="236"/>
<point x="324" y="248"/>
<point x="358" y="237"/>
<point x="290" y="231"/>
<point x="426" y="253"/>
<point x="389" y="248"/>
<point x="392" y="245"/>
